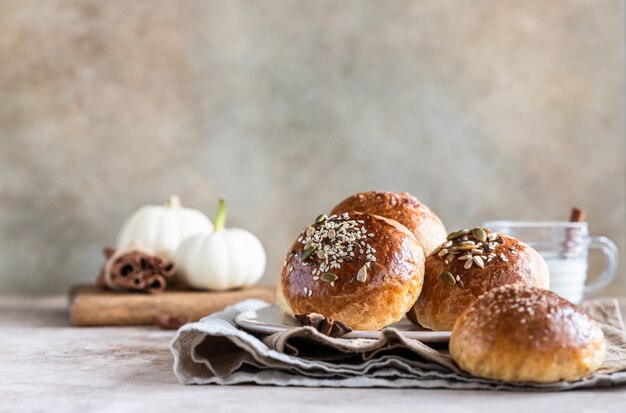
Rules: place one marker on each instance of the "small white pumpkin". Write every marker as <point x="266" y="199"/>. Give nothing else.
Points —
<point x="161" y="228"/>
<point x="222" y="259"/>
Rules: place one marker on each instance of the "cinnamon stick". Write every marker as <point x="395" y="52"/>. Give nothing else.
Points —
<point x="576" y="215"/>
<point x="326" y="326"/>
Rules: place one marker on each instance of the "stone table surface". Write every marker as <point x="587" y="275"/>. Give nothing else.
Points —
<point x="48" y="365"/>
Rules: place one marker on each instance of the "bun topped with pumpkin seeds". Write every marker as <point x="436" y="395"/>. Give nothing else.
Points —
<point x="468" y="264"/>
<point x="402" y="207"/>
<point x="362" y="270"/>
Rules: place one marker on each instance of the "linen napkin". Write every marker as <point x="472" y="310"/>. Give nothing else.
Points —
<point x="215" y="351"/>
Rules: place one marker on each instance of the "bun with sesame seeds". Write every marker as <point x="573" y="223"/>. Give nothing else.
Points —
<point x="520" y="333"/>
<point x="363" y="270"/>
<point x="469" y="264"/>
<point x="402" y="207"/>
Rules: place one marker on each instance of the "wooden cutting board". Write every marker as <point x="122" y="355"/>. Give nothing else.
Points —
<point x="92" y="306"/>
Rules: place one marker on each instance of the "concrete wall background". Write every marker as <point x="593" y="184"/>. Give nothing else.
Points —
<point x="482" y="109"/>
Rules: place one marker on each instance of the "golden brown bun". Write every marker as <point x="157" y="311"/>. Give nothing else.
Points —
<point x="402" y="207"/>
<point x="280" y="300"/>
<point x="441" y="304"/>
<point x="521" y="333"/>
<point x="393" y="281"/>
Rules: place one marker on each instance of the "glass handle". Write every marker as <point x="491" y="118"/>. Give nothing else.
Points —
<point x="609" y="249"/>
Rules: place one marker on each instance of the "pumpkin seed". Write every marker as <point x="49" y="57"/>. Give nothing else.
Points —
<point x="448" y="278"/>
<point x="328" y="277"/>
<point x="320" y="218"/>
<point x="457" y="234"/>
<point x="479" y="234"/>
<point x="306" y="253"/>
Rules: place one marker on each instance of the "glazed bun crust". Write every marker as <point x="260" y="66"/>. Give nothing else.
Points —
<point x="393" y="280"/>
<point x="402" y="207"/>
<point x="526" y="334"/>
<point x="440" y="304"/>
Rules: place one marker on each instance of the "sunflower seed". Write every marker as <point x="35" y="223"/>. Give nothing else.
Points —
<point x="492" y="236"/>
<point x="442" y="253"/>
<point x="465" y="257"/>
<point x="447" y="244"/>
<point x="468" y="264"/>
<point x="479" y="234"/>
<point x="448" y="278"/>
<point x="362" y="274"/>
<point x="467" y="247"/>
<point x="332" y="234"/>
<point x="479" y="261"/>
<point x="513" y="251"/>
<point x="310" y="231"/>
<point x="477" y="251"/>
<point x="306" y="253"/>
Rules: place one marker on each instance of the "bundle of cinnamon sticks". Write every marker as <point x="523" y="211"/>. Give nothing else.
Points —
<point x="135" y="269"/>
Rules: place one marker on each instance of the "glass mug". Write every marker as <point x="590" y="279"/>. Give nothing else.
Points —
<point x="565" y="247"/>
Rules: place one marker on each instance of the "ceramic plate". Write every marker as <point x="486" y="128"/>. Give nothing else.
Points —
<point x="271" y="320"/>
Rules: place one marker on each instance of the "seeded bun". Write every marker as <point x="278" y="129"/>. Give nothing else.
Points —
<point x="363" y="270"/>
<point x="457" y="274"/>
<point x="520" y="333"/>
<point x="402" y="207"/>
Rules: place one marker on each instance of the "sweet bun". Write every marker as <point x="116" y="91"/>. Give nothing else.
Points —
<point x="402" y="207"/>
<point x="280" y="301"/>
<point x="362" y="270"/>
<point x="525" y="334"/>
<point x="467" y="265"/>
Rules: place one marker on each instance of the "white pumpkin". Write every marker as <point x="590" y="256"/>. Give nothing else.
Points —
<point x="161" y="228"/>
<point x="222" y="259"/>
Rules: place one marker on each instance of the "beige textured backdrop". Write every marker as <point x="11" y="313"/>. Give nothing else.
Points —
<point x="482" y="109"/>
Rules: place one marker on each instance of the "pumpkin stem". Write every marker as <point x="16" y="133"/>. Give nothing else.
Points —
<point x="220" y="216"/>
<point x="173" y="202"/>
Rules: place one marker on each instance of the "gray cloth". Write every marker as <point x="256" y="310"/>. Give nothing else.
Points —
<point x="215" y="351"/>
